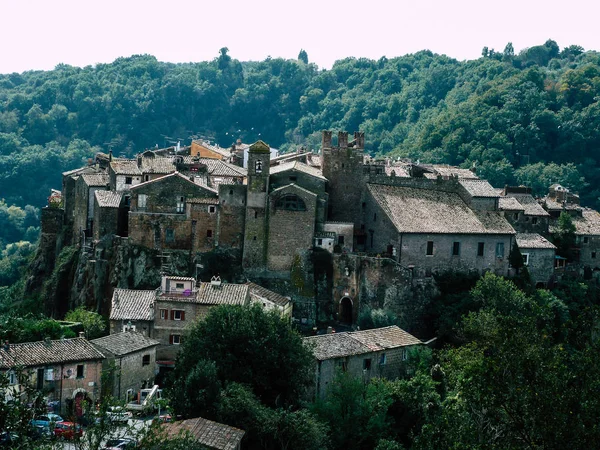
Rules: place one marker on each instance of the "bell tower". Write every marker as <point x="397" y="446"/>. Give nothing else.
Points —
<point x="256" y="228"/>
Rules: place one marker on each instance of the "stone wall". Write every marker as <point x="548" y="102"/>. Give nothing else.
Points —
<point x="289" y="231"/>
<point x="129" y="372"/>
<point x="540" y="264"/>
<point x="232" y="215"/>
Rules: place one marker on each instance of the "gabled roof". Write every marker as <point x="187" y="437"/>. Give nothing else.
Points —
<point x="259" y="292"/>
<point x="509" y="204"/>
<point x="95" y="179"/>
<point x="297" y="166"/>
<point x="220" y="168"/>
<point x="588" y="223"/>
<point x="533" y="240"/>
<point x="125" y="167"/>
<point x="123" y="343"/>
<point x="108" y="199"/>
<point x="530" y="205"/>
<point x="80" y="170"/>
<point x="206" y="432"/>
<point x="294" y="187"/>
<point x="223" y="294"/>
<point x="31" y="354"/>
<point x="338" y="345"/>
<point x="130" y="304"/>
<point x="446" y="171"/>
<point x="170" y="176"/>
<point x="414" y="210"/>
<point x="478" y="188"/>
<point x="157" y="165"/>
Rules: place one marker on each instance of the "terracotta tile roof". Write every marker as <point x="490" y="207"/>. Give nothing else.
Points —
<point x="509" y="204"/>
<point x="129" y="304"/>
<point x="446" y="171"/>
<point x="224" y="294"/>
<point x="530" y="205"/>
<point x="123" y="343"/>
<point x="219" y="168"/>
<point x="414" y="210"/>
<point x="206" y="432"/>
<point x="338" y="345"/>
<point x="174" y="174"/>
<point x="258" y="292"/>
<point x="553" y="205"/>
<point x="533" y="240"/>
<point x="215" y="148"/>
<point x="298" y="166"/>
<point x="108" y="199"/>
<point x="127" y="167"/>
<point x="51" y="352"/>
<point x="589" y="223"/>
<point x="478" y="188"/>
<point x="158" y="164"/>
<point x="80" y="170"/>
<point x="95" y="179"/>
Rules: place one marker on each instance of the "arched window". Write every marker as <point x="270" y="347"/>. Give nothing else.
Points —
<point x="290" y="202"/>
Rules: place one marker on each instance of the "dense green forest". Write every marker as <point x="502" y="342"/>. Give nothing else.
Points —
<point x="530" y="118"/>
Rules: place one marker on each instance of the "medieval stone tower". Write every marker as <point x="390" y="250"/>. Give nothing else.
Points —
<point x="256" y="227"/>
<point x="343" y="167"/>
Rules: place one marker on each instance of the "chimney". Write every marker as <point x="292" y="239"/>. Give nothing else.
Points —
<point x="6" y="346"/>
<point x="110" y="155"/>
<point x="81" y="334"/>
<point x="329" y="330"/>
<point x="215" y="281"/>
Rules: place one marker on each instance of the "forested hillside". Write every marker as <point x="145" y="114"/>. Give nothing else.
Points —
<point x="530" y="118"/>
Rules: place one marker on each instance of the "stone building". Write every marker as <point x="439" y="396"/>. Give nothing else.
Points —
<point x="106" y="213"/>
<point x="123" y="174"/>
<point x="132" y="310"/>
<point x="161" y="215"/>
<point x="68" y="370"/>
<point x="538" y="255"/>
<point x="523" y="211"/>
<point x="270" y="300"/>
<point x="437" y="225"/>
<point x="83" y="206"/>
<point x="130" y="363"/>
<point x="376" y="353"/>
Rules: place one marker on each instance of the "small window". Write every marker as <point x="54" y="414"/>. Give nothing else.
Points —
<point x="593" y="255"/>
<point x="179" y="285"/>
<point x="170" y="235"/>
<point x="534" y="220"/>
<point x="142" y="200"/>
<point x="212" y="209"/>
<point x="146" y="177"/>
<point x="364" y="205"/>
<point x="180" y="205"/>
<point x="176" y="339"/>
<point x="128" y="180"/>
<point x="404" y="354"/>
<point x="319" y="241"/>
<point x="208" y="233"/>
<point x="586" y="239"/>
<point x="500" y="250"/>
<point x="374" y="217"/>
<point x="456" y="249"/>
<point x="230" y="191"/>
<point x="367" y="364"/>
<point x="258" y="166"/>
<point x="80" y="371"/>
<point x="480" y="248"/>
<point x="256" y="214"/>
<point x="177" y="314"/>
<point x="12" y="378"/>
<point x="382" y="359"/>
<point x="516" y="216"/>
<point x="341" y="240"/>
<point x="164" y="315"/>
<point x="127" y="200"/>
<point x="525" y="258"/>
<point x="293" y="178"/>
<point x="429" y="248"/>
<point x="146" y="360"/>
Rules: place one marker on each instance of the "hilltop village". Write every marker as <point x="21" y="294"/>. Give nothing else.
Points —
<point x="320" y="235"/>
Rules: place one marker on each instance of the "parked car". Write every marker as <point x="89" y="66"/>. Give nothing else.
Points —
<point x="120" y="444"/>
<point x="67" y="430"/>
<point x="118" y="414"/>
<point x="46" y="420"/>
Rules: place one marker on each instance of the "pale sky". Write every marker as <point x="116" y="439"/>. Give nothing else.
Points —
<point x="39" y="34"/>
